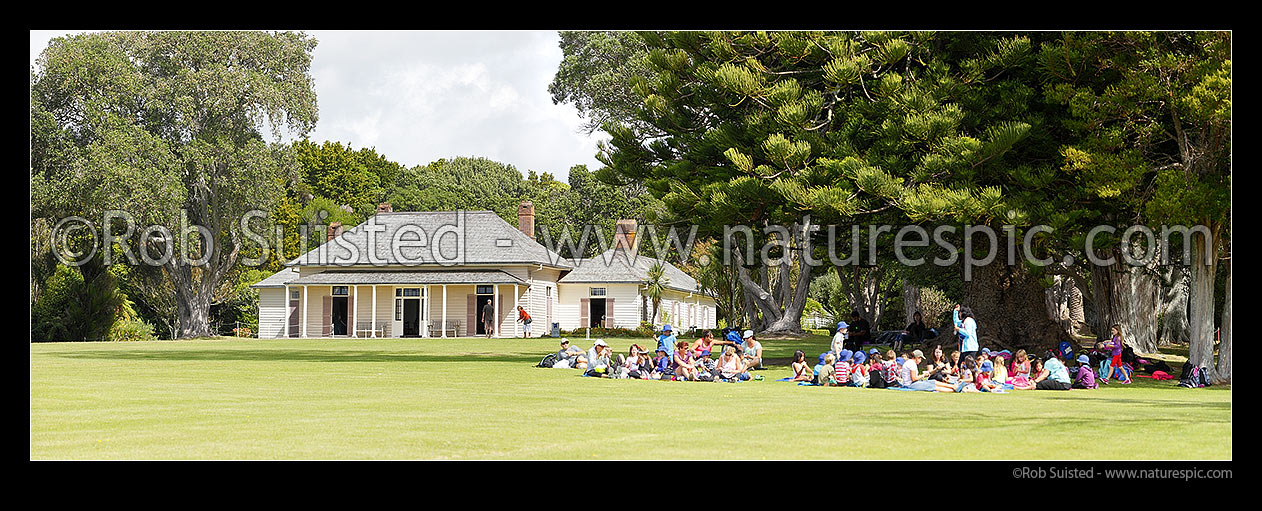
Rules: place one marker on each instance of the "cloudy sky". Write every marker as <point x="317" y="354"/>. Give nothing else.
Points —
<point x="420" y="96"/>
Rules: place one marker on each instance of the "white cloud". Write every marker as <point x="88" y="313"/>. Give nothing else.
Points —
<point x="420" y="96"/>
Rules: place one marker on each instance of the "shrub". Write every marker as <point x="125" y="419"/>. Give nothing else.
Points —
<point x="129" y="330"/>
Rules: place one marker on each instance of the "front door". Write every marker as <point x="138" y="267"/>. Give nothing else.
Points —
<point x="411" y="317"/>
<point x="597" y="316"/>
<point x="481" y="304"/>
<point x="293" y="312"/>
<point x="339" y="315"/>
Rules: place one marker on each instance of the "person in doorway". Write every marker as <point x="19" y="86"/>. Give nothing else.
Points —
<point x="525" y="320"/>
<point x="488" y="319"/>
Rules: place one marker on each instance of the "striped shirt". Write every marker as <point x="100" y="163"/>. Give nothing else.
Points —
<point x="843" y="372"/>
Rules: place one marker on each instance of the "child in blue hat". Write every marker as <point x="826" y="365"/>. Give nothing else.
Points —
<point x="860" y="371"/>
<point x="842" y="369"/>
<point x="839" y="338"/>
<point x="1085" y="379"/>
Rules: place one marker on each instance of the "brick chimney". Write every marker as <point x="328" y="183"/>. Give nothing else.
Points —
<point x="624" y="235"/>
<point x="384" y="208"/>
<point x="335" y="230"/>
<point x="526" y="218"/>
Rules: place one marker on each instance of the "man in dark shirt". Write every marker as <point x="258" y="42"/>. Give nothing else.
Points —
<point x="488" y="319"/>
<point x="860" y="332"/>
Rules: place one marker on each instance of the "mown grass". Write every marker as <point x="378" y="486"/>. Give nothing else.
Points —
<point x="483" y="399"/>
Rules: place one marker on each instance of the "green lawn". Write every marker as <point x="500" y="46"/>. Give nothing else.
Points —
<point x="483" y="399"/>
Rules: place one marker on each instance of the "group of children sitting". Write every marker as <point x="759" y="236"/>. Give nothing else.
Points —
<point x="998" y="371"/>
<point x="738" y="354"/>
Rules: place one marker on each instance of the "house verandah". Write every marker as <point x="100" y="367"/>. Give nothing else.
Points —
<point x="419" y="303"/>
<point x="384" y="278"/>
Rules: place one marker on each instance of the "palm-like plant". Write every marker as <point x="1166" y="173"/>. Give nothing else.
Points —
<point x="655" y="286"/>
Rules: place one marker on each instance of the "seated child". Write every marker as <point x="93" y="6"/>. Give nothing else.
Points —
<point x="859" y="372"/>
<point x="876" y="370"/>
<point x="985" y="382"/>
<point x="843" y="368"/>
<point x="1001" y="371"/>
<point x="1021" y="371"/>
<point x="661" y="366"/>
<point x="968" y="376"/>
<point x="800" y="367"/>
<point x="1085" y="379"/>
<point x="891" y="369"/>
<point x="820" y="365"/>
<point x="827" y="372"/>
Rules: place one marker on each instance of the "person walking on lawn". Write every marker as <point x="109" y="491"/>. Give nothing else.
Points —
<point x="525" y="320"/>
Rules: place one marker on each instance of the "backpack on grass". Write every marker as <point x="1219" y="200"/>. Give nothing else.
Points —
<point x="548" y="361"/>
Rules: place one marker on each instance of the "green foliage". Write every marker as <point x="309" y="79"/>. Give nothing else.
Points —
<point x="358" y="179"/>
<point x="164" y="123"/>
<point x="131" y="330"/>
<point x="597" y="73"/>
<point x="73" y="308"/>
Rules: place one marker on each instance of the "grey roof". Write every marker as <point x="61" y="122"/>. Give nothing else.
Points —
<point x="408" y="277"/>
<point x="278" y="279"/>
<point x="616" y="266"/>
<point x="487" y="239"/>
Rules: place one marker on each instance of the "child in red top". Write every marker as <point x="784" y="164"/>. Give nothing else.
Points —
<point x="842" y="368"/>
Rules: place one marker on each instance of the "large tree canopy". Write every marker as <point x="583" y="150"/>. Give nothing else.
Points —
<point x="171" y="127"/>
<point x="763" y="128"/>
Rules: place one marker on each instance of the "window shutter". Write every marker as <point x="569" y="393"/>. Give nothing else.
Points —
<point x="350" y="315"/>
<point x="471" y="316"/>
<point x="326" y="316"/>
<point x="584" y="308"/>
<point x="609" y="315"/>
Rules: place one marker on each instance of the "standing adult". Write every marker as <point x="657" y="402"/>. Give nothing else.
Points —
<point x="525" y="320"/>
<point x="966" y="328"/>
<point x="860" y="332"/>
<point x="488" y="319"/>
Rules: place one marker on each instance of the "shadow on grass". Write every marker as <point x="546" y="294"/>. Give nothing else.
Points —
<point x="299" y="356"/>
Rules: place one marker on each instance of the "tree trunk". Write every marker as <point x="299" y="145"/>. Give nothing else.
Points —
<point x="1127" y="296"/>
<point x="1010" y="309"/>
<point x="1201" y="305"/>
<point x="1224" y="344"/>
<point x="911" y="301"/>
<point x="1174" y="307"/>
<point x="194" y="316"/>
<point x="1057" y="301"/>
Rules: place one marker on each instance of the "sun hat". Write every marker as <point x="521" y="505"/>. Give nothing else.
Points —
<point x="844" y="355"/>
<point x="599" y="342"/>
<point x="986" y="350"/>
<point x="666" y="328"/>
<point x="822" y="356"/>
<point x="873" y="351"/>
<point x="1083" y="359"/>
<point x="859" y="357"/>
<point x="900" y="360"/>
<point x="748" y="334"/>
<point x="841" y="325"/>
<point x="917" y="354"/>
<point x="565" y="341"/>
<point x="987" y="367"/>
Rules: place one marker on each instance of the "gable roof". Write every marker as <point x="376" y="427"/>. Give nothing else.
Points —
<point x="487" y="239"/>
<point x="278" y="279"/>
<point x="615" y="266"/>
